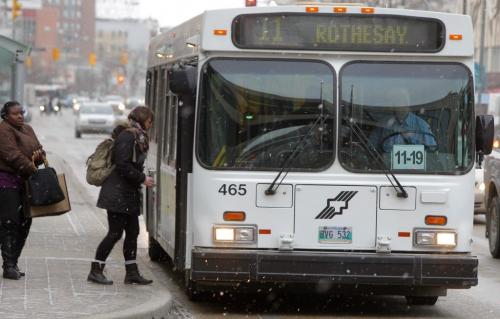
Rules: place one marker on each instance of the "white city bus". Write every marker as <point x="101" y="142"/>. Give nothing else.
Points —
<point x="326" y="145"/>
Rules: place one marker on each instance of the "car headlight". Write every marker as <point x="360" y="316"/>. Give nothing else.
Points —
<point x="56" y="108"/>
<point x="482" y="187"/>
<point x="42" y="108"/>
<point x="435" y="238"/>
<point x="121" y="107"/>
<point x="76" y="107"/>
<point x="235" y="233"/>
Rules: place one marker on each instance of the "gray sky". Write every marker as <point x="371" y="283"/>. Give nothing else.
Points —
<point x="173" y="12"/>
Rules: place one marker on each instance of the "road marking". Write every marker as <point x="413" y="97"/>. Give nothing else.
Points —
<point x="68" y="216"/>
<point x="26" y="284"/>
<point x="1" y="290"/>
<point x="49" y="290"/>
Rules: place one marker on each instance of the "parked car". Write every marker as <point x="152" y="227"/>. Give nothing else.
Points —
<point x="94" y="117"/>
<point x="492" y="198"/>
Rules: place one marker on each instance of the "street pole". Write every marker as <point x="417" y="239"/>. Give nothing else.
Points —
<point x="464" y="7"/>
<point x="481" y="51"/>
<point x="18" y="77"/>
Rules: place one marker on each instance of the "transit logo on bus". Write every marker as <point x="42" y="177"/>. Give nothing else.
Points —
<point x="336" y="205"/>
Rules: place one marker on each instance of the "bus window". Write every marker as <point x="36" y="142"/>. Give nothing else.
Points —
<point x="166" y="127"/>
<point x="255" y="113"/>
<point x="154" y="99"/>
<point x="148" y="88"/>
<point x="172" y="141"/>
<point x="417" y="116"/>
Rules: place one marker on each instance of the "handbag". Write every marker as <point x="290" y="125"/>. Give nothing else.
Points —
<point x="43" y="187"/>
<point x="59" y="208"/>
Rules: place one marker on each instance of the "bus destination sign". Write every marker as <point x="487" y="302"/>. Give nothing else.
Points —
<point x="297" y="31"/>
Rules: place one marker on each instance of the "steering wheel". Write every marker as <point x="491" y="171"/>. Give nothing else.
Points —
<point x="430" y="147"/>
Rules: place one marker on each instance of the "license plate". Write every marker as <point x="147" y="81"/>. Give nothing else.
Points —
<point x="334" y="235"/>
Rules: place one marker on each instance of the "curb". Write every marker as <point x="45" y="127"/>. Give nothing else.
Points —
<point x="159" y="306"/>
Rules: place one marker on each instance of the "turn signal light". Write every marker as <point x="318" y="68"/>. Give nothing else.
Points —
<point x="234" y="216"/>
<point x="455" y="37"/>
<point x="340" y="9"/>
<point x="220" y="32"/>
<point x="436" y="220"/>
<point x="367" y="10"/>
<point x="312" y="9"/>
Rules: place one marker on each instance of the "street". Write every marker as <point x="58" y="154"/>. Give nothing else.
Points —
<point x="56" y="133"/>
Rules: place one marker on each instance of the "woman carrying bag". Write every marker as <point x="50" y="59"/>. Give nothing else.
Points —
<point x="120" y="196"/>
<point x="20" y="152"/>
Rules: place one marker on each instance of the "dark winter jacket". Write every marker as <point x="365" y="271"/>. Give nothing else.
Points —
<point x="17" y="145"/>
<point x="120" y="192"/>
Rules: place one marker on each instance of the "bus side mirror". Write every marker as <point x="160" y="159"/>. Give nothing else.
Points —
<point x="485" y="134"/>
<point x="182" y="80"/>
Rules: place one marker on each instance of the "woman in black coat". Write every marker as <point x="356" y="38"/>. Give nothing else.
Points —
<point x="120" y="196"/>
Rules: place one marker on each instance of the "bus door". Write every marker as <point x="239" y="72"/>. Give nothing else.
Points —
<point x="167" y="178"/>
<point x="335" y="217"/>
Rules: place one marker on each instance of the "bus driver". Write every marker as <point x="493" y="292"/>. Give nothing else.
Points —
<point x="403" y="127"/>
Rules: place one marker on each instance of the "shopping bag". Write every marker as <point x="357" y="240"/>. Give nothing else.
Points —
<point x="43" y="187"/>
<point x="59" y="208"/>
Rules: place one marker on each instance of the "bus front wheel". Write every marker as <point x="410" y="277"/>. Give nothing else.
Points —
<point x="422" y="300"/>
<point x="494" y="227"/>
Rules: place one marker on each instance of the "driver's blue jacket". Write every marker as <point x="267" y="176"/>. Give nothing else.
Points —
<point x="412" y="130"/>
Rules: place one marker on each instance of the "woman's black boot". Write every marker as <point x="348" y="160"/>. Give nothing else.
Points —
<point x="10" y="272"/>
<point x="9" y="257"/>
<point x="134" y="277"/>
<point x="97" y="276"/>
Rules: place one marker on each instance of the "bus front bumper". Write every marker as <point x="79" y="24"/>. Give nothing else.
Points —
<point x="422" y="270"/>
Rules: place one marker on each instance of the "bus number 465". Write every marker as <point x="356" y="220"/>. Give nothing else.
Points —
<point x="233" y="189"/>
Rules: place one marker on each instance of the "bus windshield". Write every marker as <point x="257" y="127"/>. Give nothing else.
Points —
<point x="255" y="113"/>
<point x="417" y="116"/>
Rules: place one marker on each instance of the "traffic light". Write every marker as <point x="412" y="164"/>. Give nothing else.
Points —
<point x="16" y="9"/>
<point x="92" y="58"/>
<point x="56" y="54"/>
<point x="123" y="58"/>
<point x="120" y="79"/>
<point x="28" y="62"/>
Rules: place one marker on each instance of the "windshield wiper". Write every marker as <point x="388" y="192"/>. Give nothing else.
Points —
<point x="374" y="153"/>
<point x="288" y="162"/>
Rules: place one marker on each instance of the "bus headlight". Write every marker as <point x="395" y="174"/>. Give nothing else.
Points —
<point x="435" y="238"/>
<point x="235" y="233"/>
